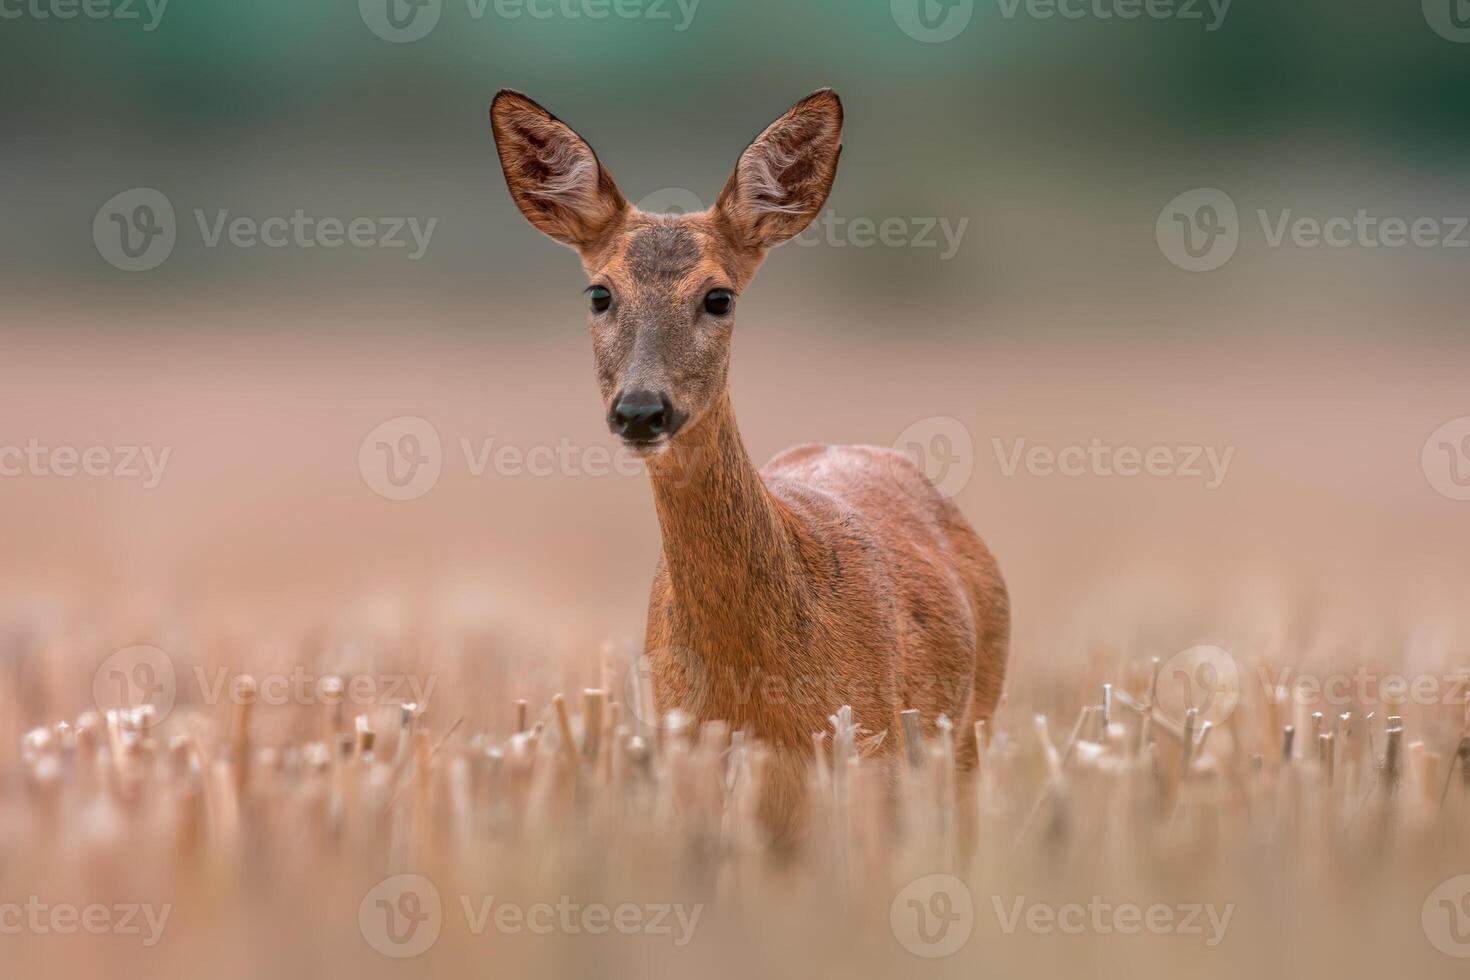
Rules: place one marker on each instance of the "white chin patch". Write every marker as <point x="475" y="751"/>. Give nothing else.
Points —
<point x="648" y="450"/>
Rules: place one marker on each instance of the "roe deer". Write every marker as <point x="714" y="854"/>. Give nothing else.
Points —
<point x="836" y="574"/>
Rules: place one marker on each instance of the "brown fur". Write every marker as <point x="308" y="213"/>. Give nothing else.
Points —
<point x="835" y="575"/>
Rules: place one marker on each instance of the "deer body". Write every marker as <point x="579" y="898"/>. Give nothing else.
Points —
<point x="834" y="575"/>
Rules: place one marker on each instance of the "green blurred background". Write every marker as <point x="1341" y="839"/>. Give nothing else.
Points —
<point x="1058" y="139"/>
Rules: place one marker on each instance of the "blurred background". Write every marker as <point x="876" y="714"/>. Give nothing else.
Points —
<point x="240" y="239"/>
<point x="1170" y="296"/>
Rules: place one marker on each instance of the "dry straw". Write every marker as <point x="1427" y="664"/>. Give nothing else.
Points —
<point x="584" y="795"/>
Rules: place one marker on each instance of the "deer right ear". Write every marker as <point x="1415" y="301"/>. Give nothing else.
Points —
<point x="784" y="177"/>
<point x="553" y="175"/>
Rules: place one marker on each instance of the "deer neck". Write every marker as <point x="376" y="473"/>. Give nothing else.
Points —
<point x="729" y="546"/>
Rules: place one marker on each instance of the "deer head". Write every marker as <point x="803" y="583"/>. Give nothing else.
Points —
<point x="664" y="288"/>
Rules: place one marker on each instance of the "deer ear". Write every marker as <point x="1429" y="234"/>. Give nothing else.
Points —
<point x="553" y="175"/>
<point x="784" y="177"/>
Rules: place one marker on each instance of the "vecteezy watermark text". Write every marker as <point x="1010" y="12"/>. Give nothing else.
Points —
<point x="1210" y="464"/>
<point x="672" y="919"/>
<point x="144" y="676"/>
<point x="936" y="21"/>
<point x="1364" y="686"/>
<point x="836" y="231"/>
<point x="934" y="916"/>
<point x="404" y="457"/>
<point x="404" y="21"/>
<point x="402" y="917"/>
<point x="1209" y="12"/>
<point x="41" y="918"/>
<point x="1106" y="918"/>
<point x="944" y="235"/>
<point x="136" y="230"/>
<point x="35" y="459"/>
<point x="301" y="687"/>
<point x="305" y="231"/>
<point x="770" y="688"/>
<point x="123" y="10"/>
<point x="1200" y="230"/>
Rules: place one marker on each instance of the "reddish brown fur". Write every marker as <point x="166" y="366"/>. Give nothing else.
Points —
<point x="835" y="575"/>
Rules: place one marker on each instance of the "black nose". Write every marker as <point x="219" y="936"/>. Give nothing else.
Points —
<point x="642" y="416"/>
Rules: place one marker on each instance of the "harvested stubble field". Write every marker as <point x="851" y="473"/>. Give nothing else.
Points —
<point x="1254" y="831"/>
<point x="230" y="835"/>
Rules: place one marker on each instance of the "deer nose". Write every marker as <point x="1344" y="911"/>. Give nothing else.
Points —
<point x="642" y="416"/>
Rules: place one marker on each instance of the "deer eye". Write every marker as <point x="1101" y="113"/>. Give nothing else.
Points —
<point x="601" y="298"/>
<point x="718" y="302"/>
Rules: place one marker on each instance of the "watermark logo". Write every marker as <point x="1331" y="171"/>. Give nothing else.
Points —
<point x="136" y="229"/>
<point x="400" y="21"/>
<point x="144" y="677"/>
<point x="943" y="451"/>
<point x="933" y="916"/>
<point x="933" y="21"/>
<point x="638" y="693"/>
<point x="1199" y="230"/>
<point x="688" y="672"/>
<point x="136" y="677"/>
<point x="1203" y="677"/>
<point x="1445" y="917"/>
<point x="402" y="458"/>
<point x="401" y="916"/>
<point x="1450" y="19"/>
<point x="1446" y="459"/>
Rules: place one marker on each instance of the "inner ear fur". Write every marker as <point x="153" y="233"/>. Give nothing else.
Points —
<point x="554" y="177"/>
<point x="784" y="177"/>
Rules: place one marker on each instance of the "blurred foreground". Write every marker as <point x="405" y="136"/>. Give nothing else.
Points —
<point x="1186" y="815"/>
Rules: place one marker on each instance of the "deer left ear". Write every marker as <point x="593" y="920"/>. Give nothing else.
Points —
<point x="553" y="175"/>
<point x="784" y="177"/>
